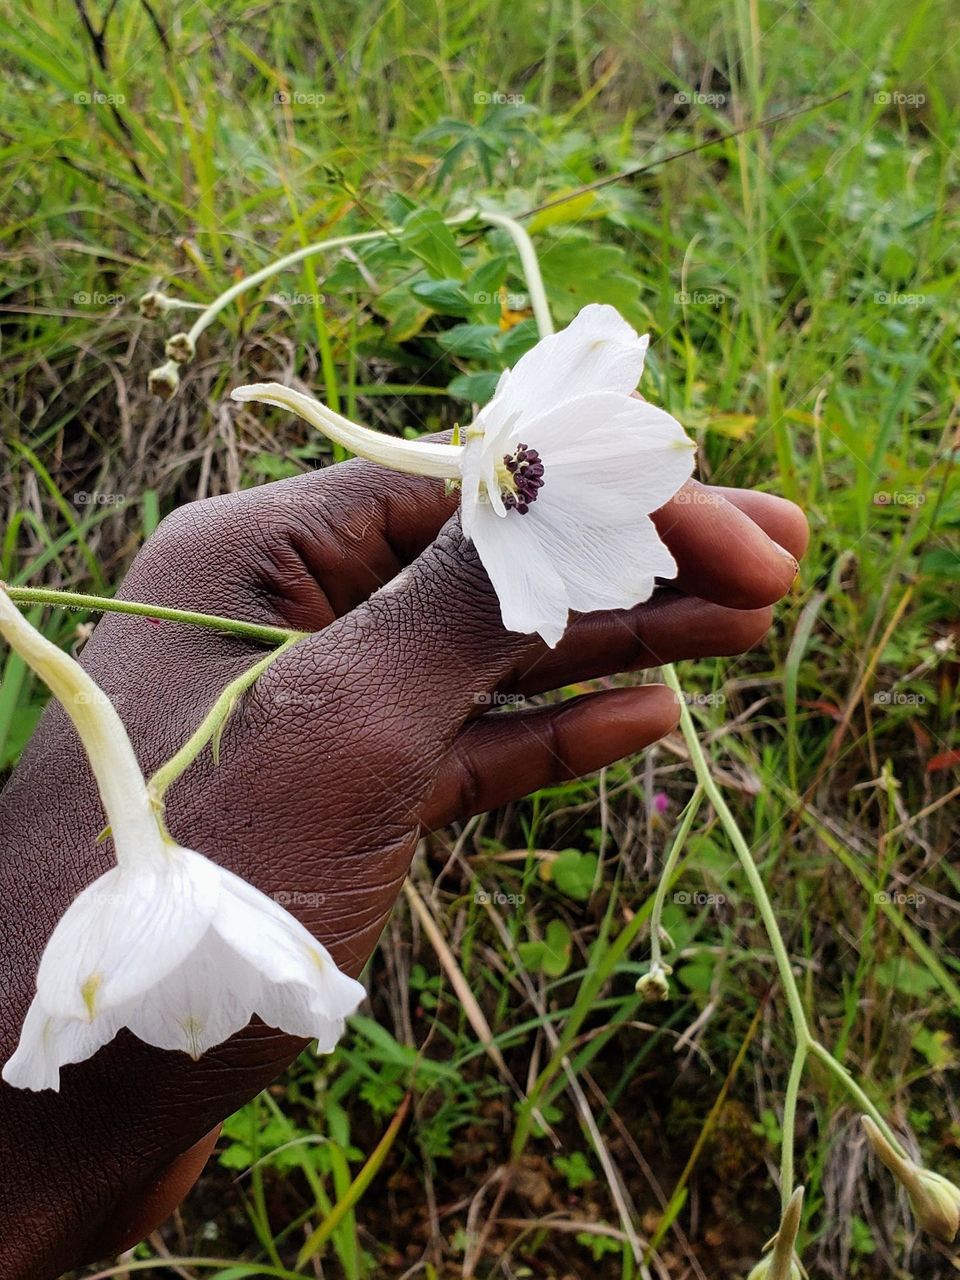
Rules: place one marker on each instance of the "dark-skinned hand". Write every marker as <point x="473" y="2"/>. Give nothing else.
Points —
<point x="369" y="731"/>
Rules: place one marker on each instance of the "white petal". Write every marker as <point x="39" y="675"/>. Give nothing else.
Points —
<point x="47" y="1043"/>
<point x="609" y="447"/>
<point x="603" y="565"/>
<point x="203" y="1002"/>
<point x="125" y="932"/>
<point x="597" y="351"/>
<point x="531" y="594"/>
<point x="270" y="939"/>
<point x="296" y="1010"/>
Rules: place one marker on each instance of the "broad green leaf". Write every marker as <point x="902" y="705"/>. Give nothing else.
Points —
<point x="426" y="235"/>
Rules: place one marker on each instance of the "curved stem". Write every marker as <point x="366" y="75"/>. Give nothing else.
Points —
<point x="755" y="880"/>
<point x="789" y="1121"/>
<point x="531" y="269"/>
<point x="666" y="875"/>
<point x="106" y="604"/>
<point x="123" y="793"/>
<point x="804" y="1038"/>
<point x="846" y="1079"/>
<point x="805" y="1042"/>
<point x="212" y="725"/>
<point x="211" y="312"/>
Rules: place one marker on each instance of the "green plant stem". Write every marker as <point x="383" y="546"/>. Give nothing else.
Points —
<point x="207" y="317"/>
<point x="531" y="269"/>
<point x="755" y="880"/>
<point x="666" y="875"/>
<point x="846" y="1079"/>
<point x="210" y="313"/>
<point x="787" y="1140"/>
<point x="106" y="604"/>
<point x="212" y="725"/>
<point x="805" y="1041"/>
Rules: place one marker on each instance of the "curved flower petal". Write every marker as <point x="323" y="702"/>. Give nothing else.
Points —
<point x="479" y="479"/>
<point x="597" y="351"/>
<point x="126" y="932"/>
<point x="48" y="1042"/>
<point x="203" y="1002"/>
<point x="531" y="593"/>
<point x="280" y="948"/>
<point x="602" y="566"/>
<point x="602" y="448"/>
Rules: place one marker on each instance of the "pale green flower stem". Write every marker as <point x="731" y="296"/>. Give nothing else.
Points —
<point x="666" y="877"/>
<point x="805" y="1042"/>
<point x="112" y="759"/>
<point x="522" y="241"/>
<point x="106" y="604"/>
<point x="210" y="313"/>
<point x="531" y="269"/>
<point x="213" y="725"/>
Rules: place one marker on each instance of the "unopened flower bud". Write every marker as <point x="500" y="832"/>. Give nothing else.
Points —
<point x="934" y="1199"/>
<point x="782" y="1263"/>
<point x="155" y="304"/>
<point x="936" y="1204"/>
<point x="164" y="380"/>
<point x="653" y="987"/>
<point x="181" y="347"/>
<point x="764" y="1270"/>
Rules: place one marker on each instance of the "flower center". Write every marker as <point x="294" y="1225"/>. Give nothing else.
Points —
<point x="521" y="478"/>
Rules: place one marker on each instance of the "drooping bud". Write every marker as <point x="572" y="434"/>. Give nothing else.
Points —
<point x="164" y="380"/>
<point x="934" y="1199"/>
<point x="937" y="1205"/>
<point x="782" y="1263"/>
<point x="155" y="304"/>
<point x="653" y="987"/>
<point x="181" y="347"/>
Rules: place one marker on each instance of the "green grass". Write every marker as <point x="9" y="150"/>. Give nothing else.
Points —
<point x="800" y="286"/>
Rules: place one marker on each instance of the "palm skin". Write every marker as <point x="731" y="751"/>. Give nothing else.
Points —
<point x="359" y="738"/>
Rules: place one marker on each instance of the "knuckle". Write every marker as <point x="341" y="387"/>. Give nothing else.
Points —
<point x="184" y="529"/>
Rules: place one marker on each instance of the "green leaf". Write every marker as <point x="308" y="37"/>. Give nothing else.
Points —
<point x="578" y="270"/>
<point x="905" y="975"/>
<point x="475" y="388"/>
<point x="942" y="562"/>
<point x="573" y="210"/>
<point x="573" y="873"/>
<point x="559" y="946"/>
<point x="697" y="977"/>
<point x="427" y="236"/>
<point x="551" y="955"/>
<point x="404" y="312"/>
<point x="443" y="296"/>
<point x="898" y="263"/>
<point x="575" y="1168"/>
<point x="471" y="341"/>
<point x="518" y="339"/>
<point x="937" y="1047"/>
<point x="484" y="284"/>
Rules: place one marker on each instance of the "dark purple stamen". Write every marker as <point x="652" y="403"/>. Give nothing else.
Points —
<point x="526" y="470"/>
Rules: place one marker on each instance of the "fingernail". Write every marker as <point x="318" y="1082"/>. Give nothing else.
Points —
<point x="788" y="556"/>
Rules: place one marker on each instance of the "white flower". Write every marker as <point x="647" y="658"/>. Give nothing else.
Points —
<point x="560" y="472"/>
<point x="167" y="943"/>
